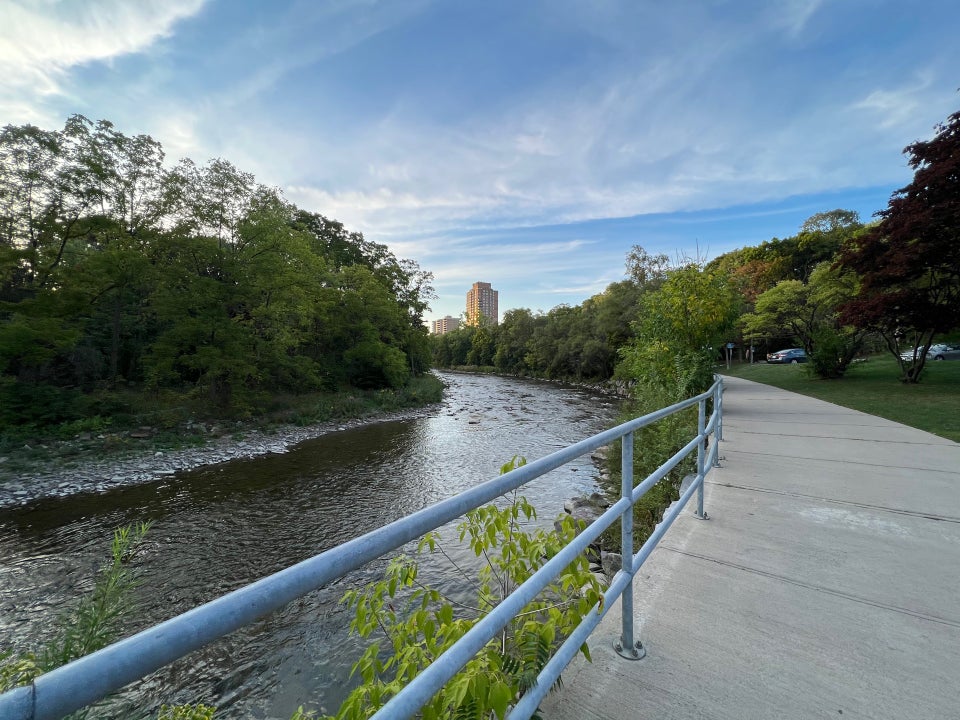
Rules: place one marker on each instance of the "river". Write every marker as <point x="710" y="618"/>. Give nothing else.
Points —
<point x="222" y="526"/>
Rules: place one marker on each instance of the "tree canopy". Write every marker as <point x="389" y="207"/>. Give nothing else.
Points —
<point x="809" y="312"/>
<point x="909" y="263"/>
<point x="116" y="270"/>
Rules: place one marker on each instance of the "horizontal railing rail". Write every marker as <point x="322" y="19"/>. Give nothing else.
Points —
<point x="91" y="678"/>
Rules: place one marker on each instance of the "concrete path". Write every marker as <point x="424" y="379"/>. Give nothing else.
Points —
<point x="826" y="583"/>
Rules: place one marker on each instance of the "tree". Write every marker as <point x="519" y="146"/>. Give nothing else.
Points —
<point x="513" y="336"/>
<point x="682" y="326"/>
<point x="754" y="270"/>
<point x="210" y="201"/>
<point x="909" y="263"/>
<point x="482" y="345"/>
<point x="826" y="222"/>
<point x="808" y="312"/>
<point x="551" y="349"/>
<point x="408" y="285"/>
<point x="646" y="270"/>
<point x="197" y="279"/>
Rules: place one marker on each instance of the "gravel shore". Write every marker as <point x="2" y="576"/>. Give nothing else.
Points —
<point x="96" y="472"/>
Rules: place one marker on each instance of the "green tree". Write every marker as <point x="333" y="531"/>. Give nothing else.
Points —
<point x="754" y="270"/>
<point x="115" y="271"/>
<point x="482" y="346"/>
<point x="403" y="280"/>
<point x="515" y="332"/>
<point x="451" y="349"/>
<point x="683" y="324"/>
<point x="809" y="312"/>
<point x="550" y="352"/>
<point x="646" y="270"/>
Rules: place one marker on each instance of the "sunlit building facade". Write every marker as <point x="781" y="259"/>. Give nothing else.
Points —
<point x="444" y="325"/>
<point x="482" y="301"/>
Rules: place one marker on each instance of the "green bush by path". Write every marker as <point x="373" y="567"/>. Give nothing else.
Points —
<point x="873" y="387"/>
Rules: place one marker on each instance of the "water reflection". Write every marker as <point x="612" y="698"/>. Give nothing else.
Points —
<point x="220" y="527"/>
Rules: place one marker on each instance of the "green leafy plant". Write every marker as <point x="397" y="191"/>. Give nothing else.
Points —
<point x="415" y="623"/>
<point x="16" y="670"/>
<point x="96" y="621"/>
<point x="93" y="624"/>
<point x="186" y="712"/>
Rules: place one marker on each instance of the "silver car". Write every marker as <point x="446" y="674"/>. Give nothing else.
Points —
<point x="940" y="351"/>
<point x="944" y="351"/>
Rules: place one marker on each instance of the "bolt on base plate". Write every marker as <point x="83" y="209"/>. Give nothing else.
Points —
<point x="637" y="652"/>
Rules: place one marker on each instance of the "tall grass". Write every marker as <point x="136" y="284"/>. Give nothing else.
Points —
<point x="94" y="622"/>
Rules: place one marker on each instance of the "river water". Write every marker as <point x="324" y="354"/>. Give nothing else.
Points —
<point x="222" y="526"/>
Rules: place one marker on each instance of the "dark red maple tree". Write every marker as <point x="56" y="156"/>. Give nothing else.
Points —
<point x="909" y="262"/>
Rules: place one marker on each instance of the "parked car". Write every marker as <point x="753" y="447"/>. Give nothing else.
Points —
<point x="791" y="355"/>
<point x="940" y="351"/>
<point x="944" y="351"/>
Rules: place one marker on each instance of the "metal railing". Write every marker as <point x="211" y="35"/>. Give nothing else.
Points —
<point x="88" y="679"/>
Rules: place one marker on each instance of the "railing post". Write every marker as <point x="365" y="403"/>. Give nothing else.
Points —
<point x="626" y="646"/>
<point x="701" y="454"/>
<point x="718" y="404"/>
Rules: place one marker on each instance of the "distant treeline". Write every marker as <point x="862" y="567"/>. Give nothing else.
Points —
<point x="118" y="272"/>
<point x="578" y="342"/>
<point x="590" y="341"/>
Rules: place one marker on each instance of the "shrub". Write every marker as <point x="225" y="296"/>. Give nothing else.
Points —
<point x="417" y="623"/>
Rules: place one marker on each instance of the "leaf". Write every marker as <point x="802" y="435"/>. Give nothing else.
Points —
<point x="500" y="696"/>
<point x="445" y="614"/>
<point x="586" y="652"/>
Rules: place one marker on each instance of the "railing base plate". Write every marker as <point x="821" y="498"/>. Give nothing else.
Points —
<point x="637" y="652"/>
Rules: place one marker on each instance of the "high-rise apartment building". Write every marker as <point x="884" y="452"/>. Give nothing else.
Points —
<point x="482" y="303"/>
<point x="445" y="325"/>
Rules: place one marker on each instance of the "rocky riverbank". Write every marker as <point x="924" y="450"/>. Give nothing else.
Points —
<point x="93" y="464"/>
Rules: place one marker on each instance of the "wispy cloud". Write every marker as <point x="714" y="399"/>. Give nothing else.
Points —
<point x="795" y="15"/>
<point x="41" y="41"/>
<point x="897" y="107"/>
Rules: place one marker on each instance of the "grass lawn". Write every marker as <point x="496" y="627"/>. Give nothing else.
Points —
<point x="872" y="387"/>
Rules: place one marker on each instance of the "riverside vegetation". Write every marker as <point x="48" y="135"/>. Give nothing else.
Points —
<point x="206" y="437"/>
<point x="133" y="295"/>
<point x="93" y="624"/>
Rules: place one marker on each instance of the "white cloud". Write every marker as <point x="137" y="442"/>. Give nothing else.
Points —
<point x="41" y="41"/>
<point x="386" y="210"/>
<point x="897" y="107"/>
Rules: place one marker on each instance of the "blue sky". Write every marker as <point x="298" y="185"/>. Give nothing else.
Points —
<point x="528" y="144"/>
